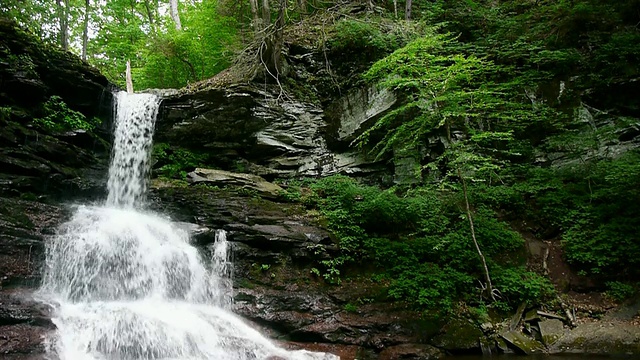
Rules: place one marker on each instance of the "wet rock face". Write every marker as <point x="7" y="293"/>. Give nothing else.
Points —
<point x="36" y="161"/>
<point x="24" y="322"/>
<point x="38" y="168"/>
<point x="277" y="135"/>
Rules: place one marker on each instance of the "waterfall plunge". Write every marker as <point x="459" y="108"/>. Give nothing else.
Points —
<point x="127" y="285"/>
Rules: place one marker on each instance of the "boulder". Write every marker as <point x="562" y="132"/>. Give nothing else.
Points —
<point x="603" y="337"/>
<point x="522" y="343"/>
<point x="411" y="351"/>
<point x="459" y="335"/>
<point x="551" y="330"/>
<point x="227" y="178"/>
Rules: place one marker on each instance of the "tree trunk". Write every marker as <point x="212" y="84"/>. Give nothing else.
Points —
<point x="129" y="80"/>
<point x="407" y="12"/>
<point x="487" y="278"/>
<point x="63" y="18"/>
<point x="395" y="8"/>
<point x="147" y="7"/>
<point x="65" y="30"/>
<point x="472" y="228"/>
<point x="173" y="4"/>
<point x="257" y="22"/>
<point x="272" y="54"/>
<point x="85" y="32"/>
<point x="266" y="13"/>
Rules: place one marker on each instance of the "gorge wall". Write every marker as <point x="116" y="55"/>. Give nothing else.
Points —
<point x="41" y="170"/>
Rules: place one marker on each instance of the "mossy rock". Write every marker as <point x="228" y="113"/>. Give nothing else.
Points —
<point x="459" y="335"/>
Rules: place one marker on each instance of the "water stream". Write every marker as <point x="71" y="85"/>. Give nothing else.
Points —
<point x="126" y="284"/>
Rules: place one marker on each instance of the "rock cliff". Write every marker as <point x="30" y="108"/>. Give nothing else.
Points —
<point x="277" y="136"/>
<point x="40" y="170"/>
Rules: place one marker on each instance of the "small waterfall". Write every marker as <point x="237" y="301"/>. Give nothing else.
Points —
<point x="221" y="266"/>
<point x="135" y="122"/>
<point x="127" y="285"/>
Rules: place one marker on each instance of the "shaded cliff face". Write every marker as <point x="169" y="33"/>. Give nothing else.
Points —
<point x="39" y="168"/>
<point x="35" y="160"/>
<point x="276" y="136"/>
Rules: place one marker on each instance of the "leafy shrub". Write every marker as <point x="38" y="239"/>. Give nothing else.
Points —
<point x="58" y="117"/>
<point x="350" y="308"/>
<point x="518" y="285"/>
<point x="619" y="291"/>
<point x="360" y="38"/>
<point x="431" y="287"/>
<point x="418" y="243"/>
<point x="175" y="162"/>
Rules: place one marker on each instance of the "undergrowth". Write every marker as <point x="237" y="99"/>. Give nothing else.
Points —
<point x="57" y="116"/>
<point x="418" y="243"/>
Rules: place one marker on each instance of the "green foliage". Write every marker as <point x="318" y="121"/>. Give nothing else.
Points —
<point x="416" y="243"/>
<point x="58" y="117"/>
<point x="176" y="162"/>
<point x="518" y="285"/>
<point x="361" y="38"/>
<point x="22" y="64"/>
<point x="594" y="204"/>
<point x="32" y="15"/>
<point x="5" y="113"/>
<point x="176" y="58"/>
<point x="561" y="38"/>
<point x="445" y="90"/>
<point x="619" y="291"/>
<point x="349" y="307"/>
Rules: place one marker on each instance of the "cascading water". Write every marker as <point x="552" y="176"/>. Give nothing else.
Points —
<point x="127" y="285"/>
<point x="135" y="121"/>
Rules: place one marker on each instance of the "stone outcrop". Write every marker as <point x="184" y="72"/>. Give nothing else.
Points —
<point x="34" y="160"/>
<point x="39" y="168"/>
<point x="24" y="226"/>
<point x="226" y="178"/>
<point x="606" y="337"/>
<point x="278" y="136"/>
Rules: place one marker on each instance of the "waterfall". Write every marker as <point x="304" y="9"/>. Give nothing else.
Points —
<point x="133" y="138"/>
<point x="126" y="284"/>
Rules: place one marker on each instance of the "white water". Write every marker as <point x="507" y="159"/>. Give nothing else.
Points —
<point x="127" y="285"/>
<point x="133" y="138"/>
